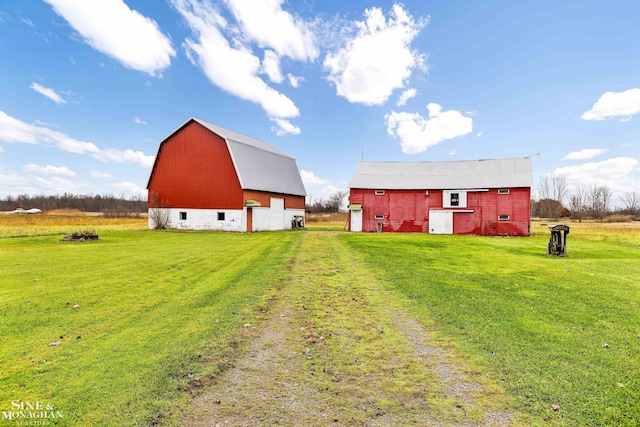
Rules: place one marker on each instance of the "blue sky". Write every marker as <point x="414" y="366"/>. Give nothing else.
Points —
<point x="88" y="89"/>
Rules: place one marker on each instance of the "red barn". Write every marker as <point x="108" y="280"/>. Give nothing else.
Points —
<point x="485" y="197"/>
<point x="217" y="179"/>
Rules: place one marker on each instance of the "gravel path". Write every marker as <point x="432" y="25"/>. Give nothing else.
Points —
<point x="341" y="349"/>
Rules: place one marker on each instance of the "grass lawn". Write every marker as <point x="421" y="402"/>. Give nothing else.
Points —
<point x="555" y="331"/>
<point x="156" y="309"/>
<point x="160" y="314"/>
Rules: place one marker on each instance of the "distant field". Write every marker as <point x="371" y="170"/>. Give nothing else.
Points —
<point x="42" y="225"/>
<point x="157" y="309"/>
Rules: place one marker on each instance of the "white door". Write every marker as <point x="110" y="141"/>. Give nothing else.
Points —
<point x="276" y="214"/>
<point x="356" y="220"/>
<point x="440" y="222"/>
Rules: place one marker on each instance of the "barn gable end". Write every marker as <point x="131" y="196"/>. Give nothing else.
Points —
<point x="215" y="178"/>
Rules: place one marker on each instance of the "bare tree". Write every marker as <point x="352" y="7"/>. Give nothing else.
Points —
<point x="553" y="190"/>
<point x="335" y="200"/>
<point x="577" y="201"/>
<point x="631" y="202"/>
<point x="599" y="199"/>
<point x="159" y="212"/>
<point x="560" y="191"/>
<point x="605" y="195"/>
<point x="544" y="193"/>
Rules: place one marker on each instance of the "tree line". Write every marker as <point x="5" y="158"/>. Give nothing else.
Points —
<point x="107" y="203"/>
<point x="593" y="202"/>
<point x="330" y="205"/>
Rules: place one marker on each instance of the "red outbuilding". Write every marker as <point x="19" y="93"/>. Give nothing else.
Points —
<point x="486" y="197"/>
<point x="213" y="178"/>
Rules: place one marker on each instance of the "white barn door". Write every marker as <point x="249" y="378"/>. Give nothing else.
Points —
<point x="440" y="222"/>
<point x="276" y="214"/>
<point x="356" y="220"/>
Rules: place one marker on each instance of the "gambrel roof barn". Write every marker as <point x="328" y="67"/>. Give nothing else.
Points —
<point x="490" y="197"/>
<point x="216" y="178"/>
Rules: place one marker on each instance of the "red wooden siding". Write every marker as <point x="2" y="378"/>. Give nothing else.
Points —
<point x="408" y="211"/>
<point x="290" y="202"/>
<point x="194" y="170"/>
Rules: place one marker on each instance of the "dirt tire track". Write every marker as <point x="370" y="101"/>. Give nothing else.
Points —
<point x="339" y="349"/>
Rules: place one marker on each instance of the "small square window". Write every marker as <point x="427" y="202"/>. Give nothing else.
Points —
<point x="503" y="191"/>
<point x="379" y="217"/>
<point x="220" y="216"/>
<point x="455" y="199"/>
<point x="183" y="216"/>
<point x="503" y="217"/>
<point x="379" y="192"/>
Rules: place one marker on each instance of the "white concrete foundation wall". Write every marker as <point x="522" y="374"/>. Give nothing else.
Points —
<point x="207" y="219"/>
<point x="263" y="219"/>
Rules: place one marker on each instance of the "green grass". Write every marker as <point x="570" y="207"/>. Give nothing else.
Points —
<point x="538" y="323"/>
<point x="162" y="313"/>
<point x="157" y="313"/>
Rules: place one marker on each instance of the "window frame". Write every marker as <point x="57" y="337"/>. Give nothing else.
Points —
<point x="503" y="191"/>
<point x="183" y="215"/>
<point x="379" y="192"/>
<point x="221" y="216"/>
<point x="378" y="217"/>
<point x="504" y="217"/>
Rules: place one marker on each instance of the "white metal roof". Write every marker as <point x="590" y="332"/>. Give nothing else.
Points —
<point x="260" y="166"/>
<point x="465" y="174"/>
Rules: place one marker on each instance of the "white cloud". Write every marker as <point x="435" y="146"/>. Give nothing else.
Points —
<point x="625" y="119"/>
<point x="452" y="152"/>
<point x="613" y="173"/>
<point x="233" y="69"/>
<point x="1" y="149"/>
<point x="271" y="66"/>
<point x="378" y="59"/>
<point x="267" y="24"/>
<point x="585" y="153"/>
<point x="16" y="131"/>
<point x="97" y="174"/>
<point x="48" y="170"/>
<point x="310" y="179"/>
<point x="417" y="134"/>
<point x="284" y="127"/>
<point x="295" y="81"/>
<point x="27" y="21"/>
<point x="111" y="27"/>
<point x="615" y="104"/>
<point x="480" y="133"/>
<point x="49" y="93"/>
<point x="129" y="188"/>
<point x="405" y="96"/>
<point x="122" y="156"/>
<point x="18" y="182"/>
<point x="139" y="121"/>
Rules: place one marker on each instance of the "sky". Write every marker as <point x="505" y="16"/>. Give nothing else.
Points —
<point x="89" y="89"/>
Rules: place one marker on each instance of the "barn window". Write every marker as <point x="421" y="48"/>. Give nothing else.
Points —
<point x="183" y="216"/>
<point x="503" y="191"/>
<point x="455" y="199"/>
<point x="220" y="216"/>
<point x="379" y="216"/>
<point x="379" y="192"/>
<point x="503" y="217"/>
